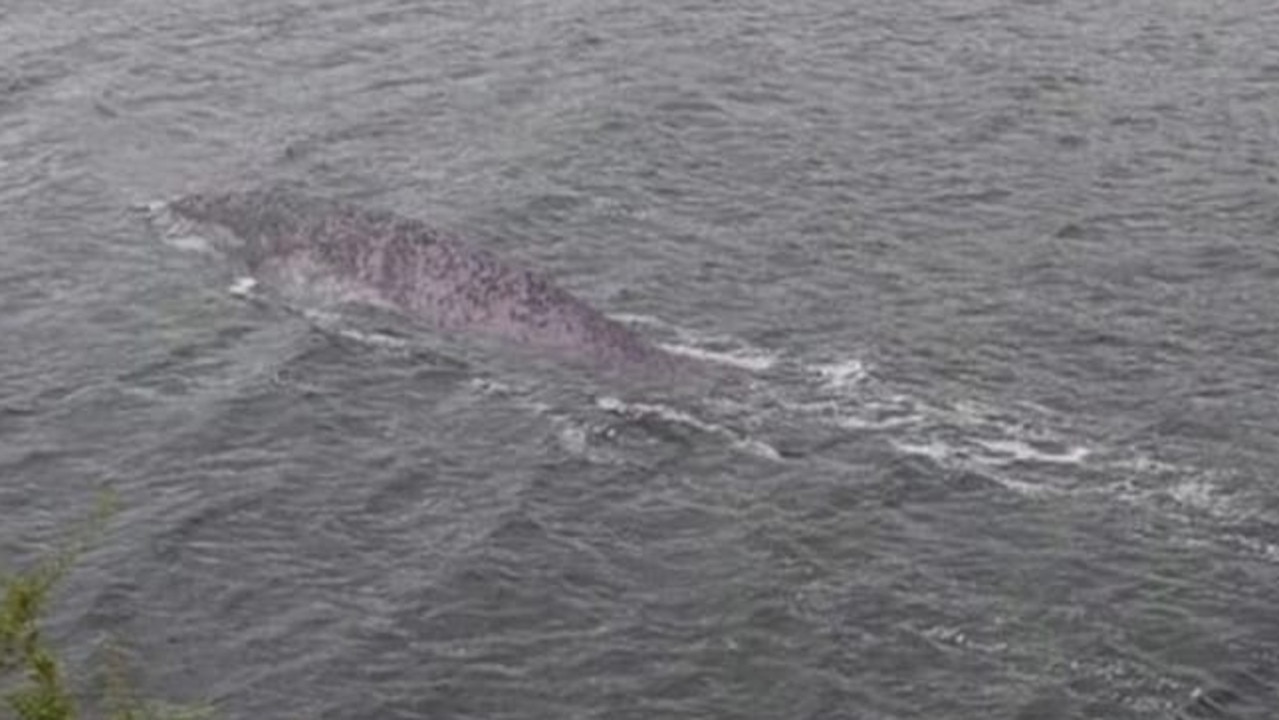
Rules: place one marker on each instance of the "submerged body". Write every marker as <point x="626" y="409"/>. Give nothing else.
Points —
<point x="344" y="252"/>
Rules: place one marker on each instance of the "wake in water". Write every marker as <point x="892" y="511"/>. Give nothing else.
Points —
<point x="1028" y="450"/>
<point x="778" y="408"/>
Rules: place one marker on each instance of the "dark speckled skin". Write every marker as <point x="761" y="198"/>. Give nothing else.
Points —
<point x="288" y="238"/>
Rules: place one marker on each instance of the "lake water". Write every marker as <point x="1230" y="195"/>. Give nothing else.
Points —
<point x="1002" y="276"/>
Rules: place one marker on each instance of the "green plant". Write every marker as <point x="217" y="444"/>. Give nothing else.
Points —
<point x="120" y="700"/>
<point x="33" y="685"/>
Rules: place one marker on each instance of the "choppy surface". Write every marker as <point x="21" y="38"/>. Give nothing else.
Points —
<point x="1005" y="274"/>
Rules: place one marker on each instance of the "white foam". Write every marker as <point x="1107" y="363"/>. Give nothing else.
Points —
<point x="691" y="343"/>
<point x="323" y="318"/>
<point x="842" y="375"/>
<point x="957" y="637"/>
<point x="1203" y="495"/>
<point x="894" y="412"/>
<point x="243" y="286"/>
<point x="669" y="414"/>
<point x="488" y="386"/>
<point x="933" y="449"/>
<point x="331" y="322"/>
<point x="1144" y="464"/>
<point x="1198" y="494"/>
<point x="1024" y="488"/>
<point x="754" y="360"/>
<point x="573" y="438"/>
<point x="853" y="422"/>
<point x="188" y="243"/>
<point x="1016" y="450"/>
<point x="944" y="453"/>
<point x="1269" y="551"/>
<point x="649" y="320"/>
<point x="977" y="412"/>
<point x="151" y="207"/>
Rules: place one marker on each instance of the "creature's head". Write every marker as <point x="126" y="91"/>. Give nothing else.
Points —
<point x="201" y="222"/>
<point x="243" y="222"/>
<point x="232" y="211"/>
<point x="201" y="207"/>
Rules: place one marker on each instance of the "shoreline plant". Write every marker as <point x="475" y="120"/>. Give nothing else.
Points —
<point x="33" y="682"/>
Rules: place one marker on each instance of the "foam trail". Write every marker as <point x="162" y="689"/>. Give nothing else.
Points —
<point x="751" y="360"/>
<point x="736" y="439"/>
<point x="332" y="323"/>
<point x="638" y="319"/>
<point x="704" y="347"/>
<point x="243" y="286"/>
<point x="843" y="375"/>
<point x="944" y="454"/>
<point x="1021" y="451"/>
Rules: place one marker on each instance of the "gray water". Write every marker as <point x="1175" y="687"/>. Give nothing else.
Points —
<point x="1003" y="277"/>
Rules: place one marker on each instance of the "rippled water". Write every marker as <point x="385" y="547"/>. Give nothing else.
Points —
<point x="1004" y="277"/>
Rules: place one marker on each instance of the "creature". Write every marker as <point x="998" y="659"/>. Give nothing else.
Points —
<point x="337" y="252"/>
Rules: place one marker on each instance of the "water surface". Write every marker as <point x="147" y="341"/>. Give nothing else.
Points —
<point x="1003" y="276"/>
